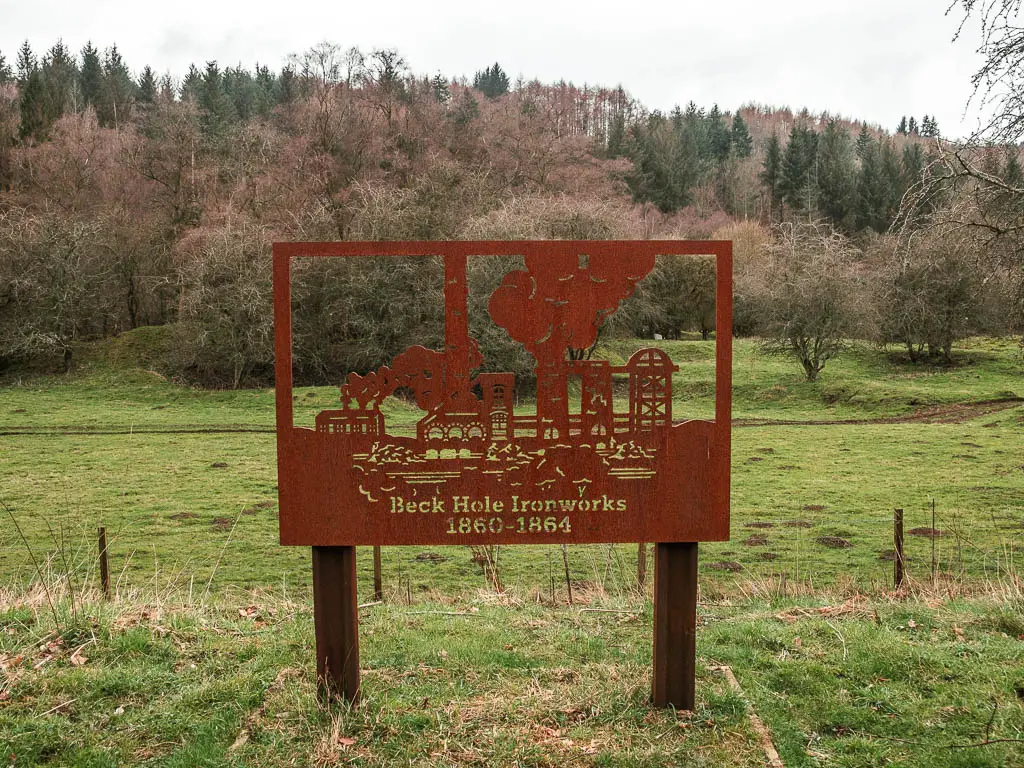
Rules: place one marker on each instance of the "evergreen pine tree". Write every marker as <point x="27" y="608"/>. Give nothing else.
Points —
<point x="718" y="137"/>
<point x="913" y="164"/>
<point x="287" y="89"/>
<point x="440" y="89"/>
<point x="837" y="176"/>
<point x="666" y="162"/>
<point x="696" y="124"/>
<point x="617" y="134"/>
<point x="190" y="85"/>
<point x="217" y="109"/>
<point x="879" y="186"/>
<point x="742" y="144"/>
<point x="892" y="174"/>
<point x="798" y="163"/>
<point x="240" y="89"/>
<point x="32" y="104"/>
<point x="869" y="193"/>
<point x="771" y="174"/>
<point x="492" y="82"/>
<point x="912" y="126"/>
<point x="147" y="86"/>
<point x="32" y="96"/>
<point x="27" y="64"/>
<point x="265" y="87"/>
<point x="6" y="75"/>
<point x="863" y="141"/>
<point x="90" y="76"/>
<point x="117" y="92"/>
<point x="59" y="82"/>
<point x="902" y="127"/>
<point x="467" y="110"/>
<point x="499" y="81"/>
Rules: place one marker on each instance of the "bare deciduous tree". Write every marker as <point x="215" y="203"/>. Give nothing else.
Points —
<point x="226" y="322"/>
<point x="53" y="285"/>
<point x="808" y="294"/>
<point x="931" y="290"/>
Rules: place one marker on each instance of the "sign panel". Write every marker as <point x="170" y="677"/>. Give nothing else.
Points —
<point x="478" y="469"/>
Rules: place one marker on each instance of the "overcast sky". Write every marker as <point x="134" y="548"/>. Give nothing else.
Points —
<point x="871" y="59"/>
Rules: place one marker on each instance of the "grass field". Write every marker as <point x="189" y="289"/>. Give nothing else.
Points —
<point x="205" y="655"/>
<point x="102" y="447"/>
<point x="483" y="681"/>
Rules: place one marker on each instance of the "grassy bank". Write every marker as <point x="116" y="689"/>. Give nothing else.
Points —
<point x="509" y="682"/>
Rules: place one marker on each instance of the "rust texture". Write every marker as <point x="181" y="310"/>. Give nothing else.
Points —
<point x="476" y="470"/>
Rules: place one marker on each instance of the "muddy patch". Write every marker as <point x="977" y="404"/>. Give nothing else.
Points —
<point x="757" y="540"/>
<point x="183" y="516"/>
<point x="755" y="458"/>
<point x="759" y="524"/>
<point x="252" y="510"/>
<point x="799" y="524"/>
<point x="931" y="533"/>
<point x="768" y="555"/>
<point x="219" y="465"/>
<point x="430" y="557"/>
<point x="834" y="542"/>
<point x="222" y="523"/>
<point x="813" y="507"/>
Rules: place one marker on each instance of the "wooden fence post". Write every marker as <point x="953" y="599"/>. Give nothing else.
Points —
<point x="104" y="568"/>
<point x="378" y="578"/>
<point x="641" y="564"/>
<point x="675" y="625"/>
<point x="897" y="543"/>
<point x="336" y="622"/>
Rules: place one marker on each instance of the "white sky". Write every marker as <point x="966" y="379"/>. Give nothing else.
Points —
<point x="870" y="59"/>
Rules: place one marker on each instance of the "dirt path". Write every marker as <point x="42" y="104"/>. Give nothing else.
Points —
<point x="115" y="429"/>
<point x="940" y="414"/>
<point x="954" y="413"/>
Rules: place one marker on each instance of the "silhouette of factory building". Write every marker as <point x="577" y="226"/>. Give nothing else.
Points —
<point x="478" y="412"/>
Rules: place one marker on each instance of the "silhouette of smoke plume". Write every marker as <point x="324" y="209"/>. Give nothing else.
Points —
<point x="557" y="302"/>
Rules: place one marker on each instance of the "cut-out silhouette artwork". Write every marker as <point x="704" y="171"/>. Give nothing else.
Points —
<point x="476" y="468"/>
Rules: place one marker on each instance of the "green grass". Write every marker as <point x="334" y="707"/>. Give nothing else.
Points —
<point x="482" y="681"/>
<point x="171" y="514"/>
<point x="843" y="672"/>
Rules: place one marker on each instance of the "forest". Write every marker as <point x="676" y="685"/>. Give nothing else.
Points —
<point x="130" y="200"/>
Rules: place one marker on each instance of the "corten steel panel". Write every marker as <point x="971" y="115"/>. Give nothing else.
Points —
<point x="476" y="472"/>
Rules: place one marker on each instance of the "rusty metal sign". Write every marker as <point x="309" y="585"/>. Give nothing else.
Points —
<point x="475" y="468"/>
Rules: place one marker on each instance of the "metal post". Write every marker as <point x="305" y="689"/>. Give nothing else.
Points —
<point x="336" y="621"/>
<point x="897" y="543"/>
<point x="378" y="578"/>
<point x="675" y="625"/>
<point x="104" y="568"/>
